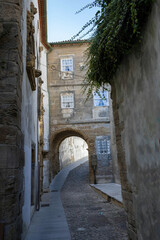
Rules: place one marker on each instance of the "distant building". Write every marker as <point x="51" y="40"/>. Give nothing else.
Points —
<point x="70" y="113"/>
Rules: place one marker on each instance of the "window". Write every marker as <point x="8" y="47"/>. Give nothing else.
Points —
<point x="103" y="148"/>
<point x="67" y="65"/>
<point x="101" y="98"/>
<point x="67" y="100"/>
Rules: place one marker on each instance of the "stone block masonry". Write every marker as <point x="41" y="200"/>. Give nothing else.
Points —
<point x="11" y="138"/>
<point x="78" y="118"/>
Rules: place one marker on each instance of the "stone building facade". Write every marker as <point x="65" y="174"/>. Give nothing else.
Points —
<point x="71" y="115"/>
<point x="21" y="36"/>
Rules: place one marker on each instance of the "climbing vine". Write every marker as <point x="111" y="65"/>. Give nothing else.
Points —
<point x="118" y="27"/>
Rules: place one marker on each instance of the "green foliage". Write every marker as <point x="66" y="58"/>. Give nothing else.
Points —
<point x="119" y="27"/>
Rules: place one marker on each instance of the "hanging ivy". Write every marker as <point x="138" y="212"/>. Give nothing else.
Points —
<point x="119" y="25"/>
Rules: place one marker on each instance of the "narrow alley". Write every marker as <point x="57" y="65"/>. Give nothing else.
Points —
<point x="79" y="120"/>
<point x="88" y="215"/>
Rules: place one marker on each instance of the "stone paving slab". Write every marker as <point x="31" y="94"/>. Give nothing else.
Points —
<point x="58" y="181"/>
<point x="49" y="223"/>
<point x="110" y="191"/>
<point x="89" y="215"/>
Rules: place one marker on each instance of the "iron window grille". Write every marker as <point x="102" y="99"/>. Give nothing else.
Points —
<point x="101" y="99"/>
<point x="67" y="100"/>
<point x="67" y="65"/>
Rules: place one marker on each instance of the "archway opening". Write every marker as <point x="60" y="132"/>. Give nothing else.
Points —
<point x="56" y="141"/>
<point x="72" y="149"/>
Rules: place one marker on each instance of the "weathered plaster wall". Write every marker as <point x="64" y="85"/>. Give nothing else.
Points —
<point x="114" y="147"/>
<point x="137" y="99"/>
<point x="46" y="173"/>
<point x="43" y="66"/>
<point x="71" y="150"/>
<point x="11" y="138"/>
<point x="44" y="90"/>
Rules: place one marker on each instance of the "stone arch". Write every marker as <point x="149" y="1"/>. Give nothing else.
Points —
<point x="56" y="140"/>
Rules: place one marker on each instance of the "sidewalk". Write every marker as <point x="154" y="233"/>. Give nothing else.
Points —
<point x="110" y="191"/>
<point x="49" y="223"/>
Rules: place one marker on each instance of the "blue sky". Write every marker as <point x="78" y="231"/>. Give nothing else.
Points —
<point x="63" y="23"/>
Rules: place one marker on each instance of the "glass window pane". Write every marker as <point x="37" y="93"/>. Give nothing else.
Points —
<point x="67" y="100"/>
<point x="101" y="98"/>
<point x="67" y="65"/>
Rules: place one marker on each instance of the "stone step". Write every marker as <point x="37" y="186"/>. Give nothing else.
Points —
<point x="110" y="191"/>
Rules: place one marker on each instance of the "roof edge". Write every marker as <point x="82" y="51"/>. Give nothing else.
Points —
<point x="69" y="42"/>
<point x="43" y="23"/>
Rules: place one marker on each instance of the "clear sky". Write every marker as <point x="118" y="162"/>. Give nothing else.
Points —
<point x="63" y="23"/>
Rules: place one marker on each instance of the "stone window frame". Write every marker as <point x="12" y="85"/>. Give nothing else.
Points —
<point x="69" y="65"/>
<point x="62" y="102"/>
<point x="67" y="75"/>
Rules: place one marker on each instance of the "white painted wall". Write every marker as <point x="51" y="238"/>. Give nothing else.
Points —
<point x="29" y="118"/>
<point x="43" y="68"/>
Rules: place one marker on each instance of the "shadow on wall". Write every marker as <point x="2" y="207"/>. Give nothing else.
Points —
<point x="71" y="150"/>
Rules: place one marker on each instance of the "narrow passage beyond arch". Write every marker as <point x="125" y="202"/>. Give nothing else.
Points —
<point x="71" y="150"/>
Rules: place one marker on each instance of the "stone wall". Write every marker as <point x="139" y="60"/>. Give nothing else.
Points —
<point x="19" y="71"/>
<point x="114" y="148"/>
<point x="88" y="132"/>
<point x="136" y="98"/>
<point x="11" y="139"/>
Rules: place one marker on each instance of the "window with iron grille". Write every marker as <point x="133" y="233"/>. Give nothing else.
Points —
<point x="103" y="148"/>
<point x="67" y="100"/>
<point x="101" y="98"/>
<point x="67" y="65"/>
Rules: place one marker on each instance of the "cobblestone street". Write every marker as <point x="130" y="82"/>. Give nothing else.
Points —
<point x="90" y="216"/>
